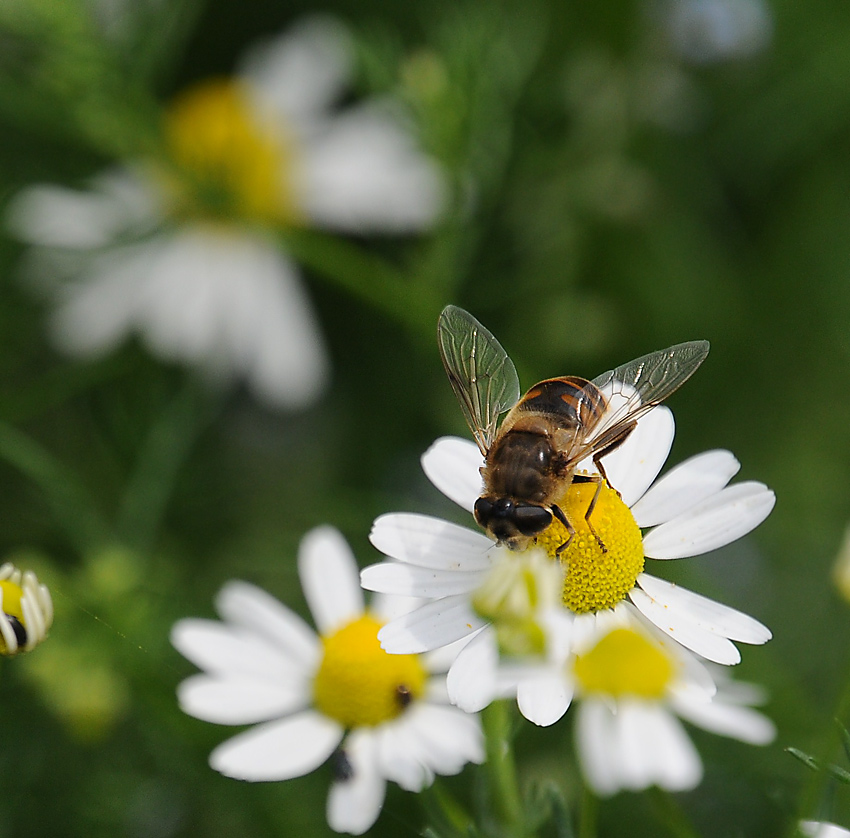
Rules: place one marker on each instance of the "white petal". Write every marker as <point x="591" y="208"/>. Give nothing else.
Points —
<point x="300" y="73"/>
<point x="412" y="581"/>
<point x="330" y="579"/>
<point x="55" y="216"/>
<point x="596" y="745"/>
<point x="431" y="542"/>
<point x="255" y="609"/>
<point x="219" y="648"/>
<point x="453" y="465"/>
<point x="716" y="716"/>
<point x="472" y="679"/>
<point x="655" y="748"/>
<point x="435" y="624"/>
<point x="713" y="523"/>
<point x="544" y="700"/>
<point x="355" y="803"/>
<point x="278" y="750"/>
<point x="707" y="613"/>
<point x="684" y="486"/>
<point x="402" y="753"/>
<point x="448" y="737"/>
<point x="633" y="466"/>
<point x="226" y="701"/>
<point x="363" y="174"/>
<point x="710" y="645"/>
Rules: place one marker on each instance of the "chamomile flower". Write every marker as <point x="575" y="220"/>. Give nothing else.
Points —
<point x="26" y="610"/>
<point x="632" y="688"/>
<point x="312" y="698"/>
<point x="689" y="511"/>
<point x="186" y="252"/>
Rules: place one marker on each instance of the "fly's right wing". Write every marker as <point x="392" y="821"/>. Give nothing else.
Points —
<point x="482" y="375"/>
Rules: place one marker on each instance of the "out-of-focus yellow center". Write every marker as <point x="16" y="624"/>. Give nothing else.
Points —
<point x="11" y="606"/>
<point x="361" y="685"/>
<point x="232" y="162"/>
<point x="595" y="578"/>
<point x="622" y="663"/>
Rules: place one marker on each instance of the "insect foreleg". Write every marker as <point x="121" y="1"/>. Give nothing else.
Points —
<point x="559" y="514"/>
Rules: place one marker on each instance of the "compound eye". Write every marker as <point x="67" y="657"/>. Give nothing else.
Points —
<point x="530" y="519"/>
<point x="483" y="511"/>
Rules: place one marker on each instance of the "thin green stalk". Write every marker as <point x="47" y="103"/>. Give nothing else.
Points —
<point x="674" y="817"/>
<point x="169" y="442"/>
<point x="414" y="304"/>
<point x="72" y="506"/>
<point x="504" y="796"/>
<point x="588" y="813"/>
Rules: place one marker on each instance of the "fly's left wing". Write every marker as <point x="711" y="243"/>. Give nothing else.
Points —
<point x="482" y="375"/>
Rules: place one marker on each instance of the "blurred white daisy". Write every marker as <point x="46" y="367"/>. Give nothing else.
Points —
<point x="823" y="829"/>
<point x="689" y="511"/>
<point x="336" y="695"/>
<point x="633" y="687"/>
<point x="188" y="255"/>
<point x="26" y="610"/>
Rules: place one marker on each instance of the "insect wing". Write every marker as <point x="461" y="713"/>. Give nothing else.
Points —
<point x="482" y="375"/>
<point x="636" y="387"/>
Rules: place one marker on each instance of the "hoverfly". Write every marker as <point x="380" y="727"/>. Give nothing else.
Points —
<point x="531" y="458"/>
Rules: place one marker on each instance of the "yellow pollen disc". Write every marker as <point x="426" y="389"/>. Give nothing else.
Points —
<point x="623" y="663"/>
<point x="595" y="579"/>
<point x="236" y="164"/>
<point x="358" y="683"/>
<point x="12" y="595"/>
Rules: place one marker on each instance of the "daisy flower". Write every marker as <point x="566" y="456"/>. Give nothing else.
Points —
<point x="689" y="511"/>
<point x="187" y="254"/>
<point x="26" y="610"/>
<point x="633" y="687"/>
<point x="310" y="698"/>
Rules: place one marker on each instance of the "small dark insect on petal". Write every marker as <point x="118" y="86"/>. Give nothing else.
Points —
<point x="403" y="696"/>
<point x="20" y="631"/>
<point x="341" y="766"/>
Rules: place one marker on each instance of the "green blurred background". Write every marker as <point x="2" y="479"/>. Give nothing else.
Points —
<point x="627" y="194"/>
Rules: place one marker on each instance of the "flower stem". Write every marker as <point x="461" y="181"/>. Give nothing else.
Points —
<point x="504" y="800"/>
<point x="673" y="816"/>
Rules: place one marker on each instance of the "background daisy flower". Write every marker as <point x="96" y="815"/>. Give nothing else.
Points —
<point x="689" y="511"/>
<point x="26" y="610"/>
<point x="633" y="689"/>
<point x="310" y="698"/>
<point x="185" y="251"/>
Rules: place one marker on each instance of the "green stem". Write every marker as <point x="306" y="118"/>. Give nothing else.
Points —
<point x="414" y="304"/>
<point x="589" y="810"/>
<point x="168" y="444"/>
<point x="72" y="506"/>
<point x="672" y="814"/>
<point x="504" y="797"/>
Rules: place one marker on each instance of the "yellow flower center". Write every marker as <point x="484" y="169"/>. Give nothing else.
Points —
<point x="622" y="663"/>
<point x="232" y="162"/>
<point x="600" y="571"/>
<point x="12" y="595"/>
<point x="358" y="683"/>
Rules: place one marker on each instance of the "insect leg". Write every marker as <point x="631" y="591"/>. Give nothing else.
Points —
<point x="599" y="480"/>
<point x="559" y="514"/>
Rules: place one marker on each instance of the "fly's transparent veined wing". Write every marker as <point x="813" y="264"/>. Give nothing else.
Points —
<point x="636" y="387"/>
<point x="482" y="375"/>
